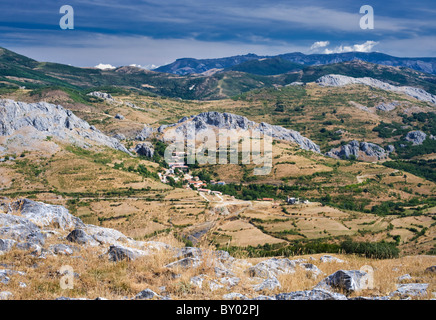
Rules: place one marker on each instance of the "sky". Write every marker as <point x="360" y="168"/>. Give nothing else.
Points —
<point x="151" y="33"/>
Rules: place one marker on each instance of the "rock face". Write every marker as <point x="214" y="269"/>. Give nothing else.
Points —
<point x="145" y="149"/>
<point x="336" y="80"/>
<point x="145" y="133"/>
<point x="215" y="120"/>
<point x="356" y="149"/>
<point x="416" y="137"/>
<point x="44" y="215"/>
<point x="387" y="106"/>
<point x="51" y="120"/>
<point x="20" y="229"/>
<point x="101" y="95"/>
<point x="349" y="281"/>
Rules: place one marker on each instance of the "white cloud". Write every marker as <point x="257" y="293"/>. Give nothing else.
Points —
<point x="319" y="44"/>
<point x="146" y="67"/>
<point x="364" y="47"/>
<point x="103" y="66"/>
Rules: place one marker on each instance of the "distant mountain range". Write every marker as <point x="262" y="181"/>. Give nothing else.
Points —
<point x="187" y="66"/>
<point x="215" y="78"/>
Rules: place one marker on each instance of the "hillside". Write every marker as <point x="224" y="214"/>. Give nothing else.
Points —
<point x="353" y="145"/>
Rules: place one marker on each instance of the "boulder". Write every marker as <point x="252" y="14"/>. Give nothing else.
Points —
<point x="146" y="294"/>
<point x="327" y="258"/>
<point x="272" y="268"/>
<point x="410" y="290"/>
<point x="431" y="269"/>
<point x="44" y="215"/>
<point x="119" y="116"/>
<point x="185" y="263"/>
<point x="345" y="280"/>
<point x="145" y="133"/>
<point x="234" y="296"/>
<point x="20" y="229"/>
<point x="315" y="294"/>
<point x="118" y="253"/>
<point x="6" y="295"/>
<point x="268" y="284"/>
<point x="81" y="237"/>
<point x="62" y="249"/>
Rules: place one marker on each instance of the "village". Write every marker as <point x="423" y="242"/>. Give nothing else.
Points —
<point x="179" y="171"/>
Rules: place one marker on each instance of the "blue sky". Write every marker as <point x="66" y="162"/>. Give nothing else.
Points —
<point x="156" y="32"/>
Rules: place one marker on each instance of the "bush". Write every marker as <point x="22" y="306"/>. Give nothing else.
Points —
<point x="374" y="250"/>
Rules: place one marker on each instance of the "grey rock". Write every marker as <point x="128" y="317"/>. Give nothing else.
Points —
<point x="262" y="297"/>
<point x="268" y="284"/>
<point x="230" y="281"/>
<point x="120" y="136"/>
<point x="234" y="296"/>
<point x="312" y="269"/>
<point x="208" y="121"/>
<point x="354" y="148"/>
<point x="146" y="294"/>
<point x="431" y="269"/>
<point x="51" y="120"/>
<point x="340" y="80"/>
<point x="44" y="215"/>
<point x="346" y="280"/>
<point x="215" y="285"/>
<point x="6" y="295"/>
<point x="62" y="249"/>
<point x="370" y="298"/>
<point x="315" y="294"/>
<point x="20" y="229"/>
<point x="119" y="116"/>
<point x="410" y="290"/>
<point x="404" y="278"/>
<point x="390" y="148"/>
<point x="145" y="149"/>
<point x="71" y="299"/>
<point x="101" y="95"/>
<point x="198" y="280"/>
<point x="272" y="268"/>
<point x="328" y="258"/>
<point x="6" y="245"/>
<point x="416" y="137"/>
<point x="185" y="263"/>
<point x="81" y="237"/>
<point x="118" y="253"/>
<point x="145" y="133"/>
<point x="387" y="106"/>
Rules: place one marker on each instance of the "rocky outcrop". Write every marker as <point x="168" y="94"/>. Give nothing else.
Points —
<point x="226" y="121"/>
<point x="315" y="294"/>
<point x="410" y="290"/>
<point x="44" y="215"/>
<point x="416" y="137"/>
<point x="51" y="120"/>
<point x="119" y="253"/>
<point x="336" y="80"/>
<point x="348" y="281"/>
<point x="101" y="95"/>
<point x="145" y="133"/>
<point x="386" y="107"/>
<point x="145" y="149"/>
<point x="357" y="150"/>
